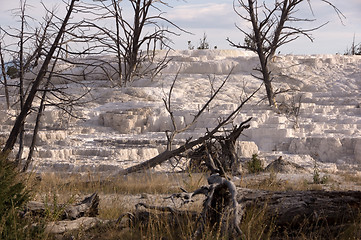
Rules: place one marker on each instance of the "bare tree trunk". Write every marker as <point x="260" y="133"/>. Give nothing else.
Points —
<point x="118" y="46"/>
<point x="35" y="134"/>
<point x="38" y="117"/>
<point x="21" y="81"/>
<point x="270" y="31"/>
<point x="132" y="50"/>
<point x="259" y="39"/>
<point x="221" y="149"/>
<point x="185" y="147"/>
<point x="268" y="85"/>
<point x="3" y="70"/>
<point x="36" y="129"/>
<point x="20" y="120"/>
<point x="167" y="154"/>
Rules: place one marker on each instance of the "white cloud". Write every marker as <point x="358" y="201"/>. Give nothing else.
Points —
<point x="216" y="18"/>
<point x="209" y="15"/>
<point x="34" y="10"/>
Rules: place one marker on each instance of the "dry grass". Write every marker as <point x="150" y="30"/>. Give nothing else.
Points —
<point x="76" y="184"/>
<point x="272" y="181"/>
<point x="120" y="194"/>
<point x="353" y="178"/>
<point x="256" y="224"/>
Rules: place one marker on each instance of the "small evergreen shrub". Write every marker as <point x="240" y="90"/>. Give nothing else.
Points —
<point x="12" y="72"/>
<point x="255" y="165"/>
<point x="13" y="196"/>
<point x="317" y="179"/>
<point x="203" y="43"/>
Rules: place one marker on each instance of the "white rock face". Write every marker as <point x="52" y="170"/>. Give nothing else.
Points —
<point x="357" y="151"/>
<point x="128" y="121"/>
<point x="119" y="127"/>
<point x="324" y="149"/>
<point x="245" y="149"/>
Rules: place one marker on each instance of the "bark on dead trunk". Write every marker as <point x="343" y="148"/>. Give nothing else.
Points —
<point x="288" y="212"/>
<point x="290" y="209"/>
<point x="221" y="149"/>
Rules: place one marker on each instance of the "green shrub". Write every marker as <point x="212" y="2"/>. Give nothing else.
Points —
<point x="255" y="165"/>
<point x="12" y="72"/>
<point x="317" y="179"/>
<point x="13" y="196"/>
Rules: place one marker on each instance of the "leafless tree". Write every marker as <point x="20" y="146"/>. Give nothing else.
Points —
<point x="21" y="36"/>
<point x="4" y="81"/>
<point x="39" y="115"/>
<point x="42" y="41"/>
<point x="190" y="144"/>
<point x="27" y="105"/>
<point x="272" y="27"/>
<point x="214" y="212"/>
<point x="132" y="39"/>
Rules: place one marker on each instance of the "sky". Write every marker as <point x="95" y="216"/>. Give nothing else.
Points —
<point x="217" y="19"/>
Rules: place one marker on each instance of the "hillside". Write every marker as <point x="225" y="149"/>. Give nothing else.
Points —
<point x="119" y="127"/>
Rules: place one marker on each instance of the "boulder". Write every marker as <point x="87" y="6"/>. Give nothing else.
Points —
<point x="245" y="149"/>
<point x="324" y="149"/>
<point x="283" y="166"/>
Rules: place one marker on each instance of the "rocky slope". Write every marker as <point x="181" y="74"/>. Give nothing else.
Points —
<point x="119" y="127"/>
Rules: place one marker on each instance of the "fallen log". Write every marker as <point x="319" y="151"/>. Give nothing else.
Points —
<point x="290" y="209"/>
<point x="88" y="207"/>
<point x="66" y="226"/>
<point x="228" y="207"/>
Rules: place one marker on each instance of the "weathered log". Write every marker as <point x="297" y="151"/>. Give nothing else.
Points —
<point x="290" y="209"/>
<point x="88" y="207"/>
<point x="226" y="206"/>
<point x="65" y="226"/>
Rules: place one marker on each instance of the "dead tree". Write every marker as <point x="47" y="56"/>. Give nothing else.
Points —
<point x="129" y="41"/>
<point x="38" y="118"/>
<point x="20" y="120"/>
<point x="5" y="84"/>
<point x="271" y="28"/>
<point x="21" y="36"/>
<point x="37" y="47"/>
<point x="221" y="209"/>
<point x="25" y="58"/>
<point x="226" y="206"/>
<point x="184" y="149"/>
<point x="220" y="147"/>
<point x="355" y="48"/>
<point x="171" y="133"/>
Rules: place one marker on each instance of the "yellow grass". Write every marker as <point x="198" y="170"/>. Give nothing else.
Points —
<point x="116" y="199"/>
